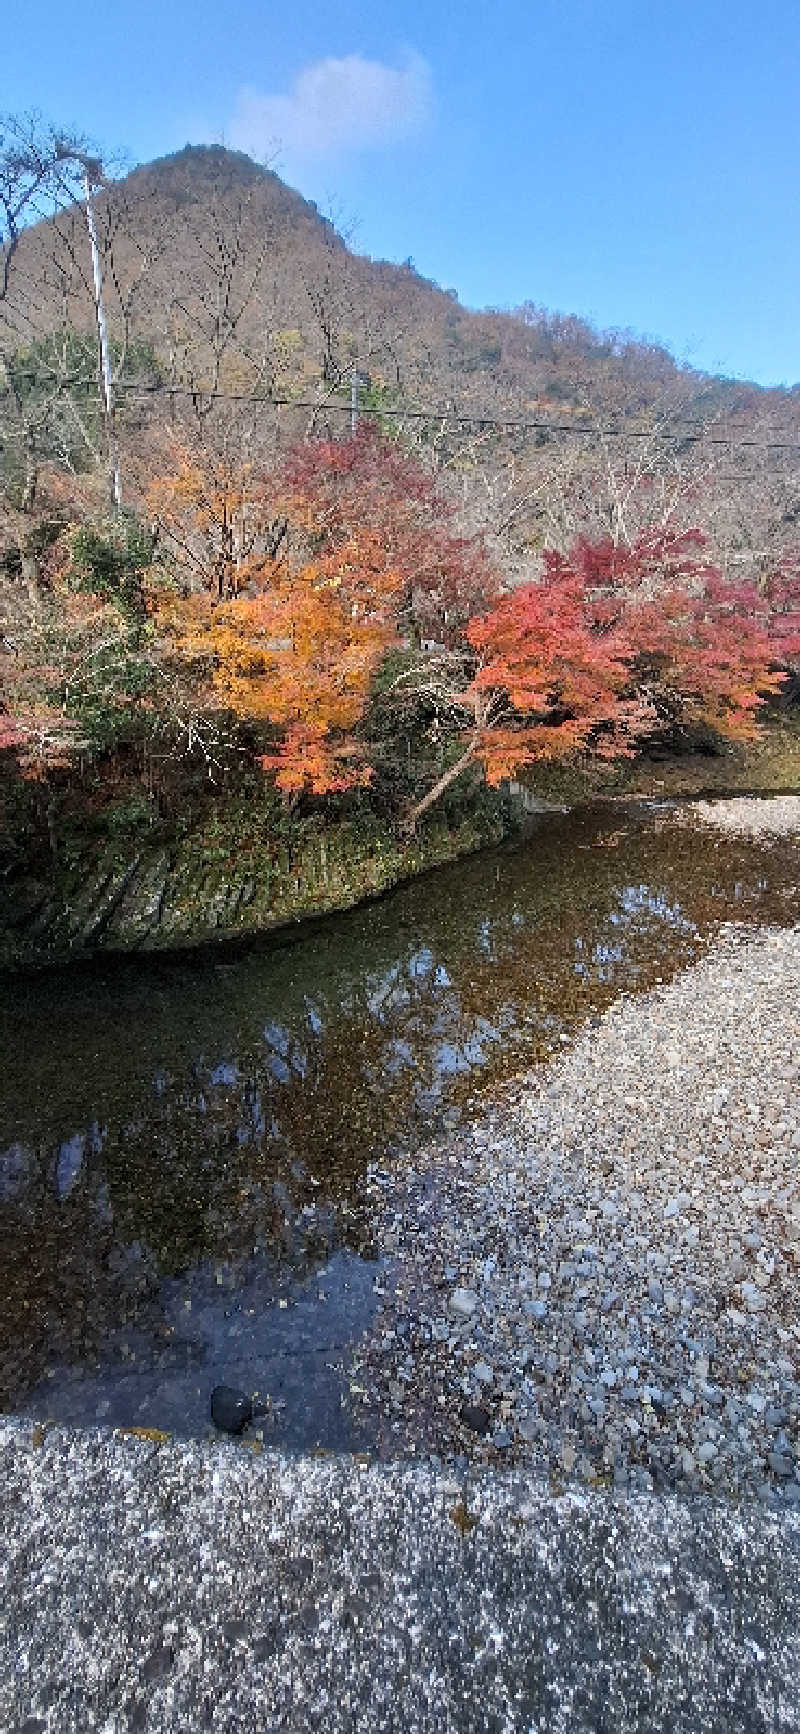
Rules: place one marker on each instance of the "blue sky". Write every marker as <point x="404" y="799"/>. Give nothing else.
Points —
<point x="636" y="163"/>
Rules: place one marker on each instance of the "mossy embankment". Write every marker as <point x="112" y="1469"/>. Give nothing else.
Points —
<point x="232" y="872"/>
<point x="124" y="878"/>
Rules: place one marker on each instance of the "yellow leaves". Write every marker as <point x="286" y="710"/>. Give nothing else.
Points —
<point x="154" y="1435"/>
<point x="296" y="648"/>
<point x="216" y="518"/>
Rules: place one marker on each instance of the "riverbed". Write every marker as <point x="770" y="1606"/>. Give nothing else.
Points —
<point x="197" y="1153"/>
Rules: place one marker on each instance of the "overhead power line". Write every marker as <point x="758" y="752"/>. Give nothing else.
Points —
<point x="452" y="416"/>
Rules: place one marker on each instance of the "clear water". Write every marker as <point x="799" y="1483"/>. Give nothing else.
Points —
<point x="182" y="1139"/>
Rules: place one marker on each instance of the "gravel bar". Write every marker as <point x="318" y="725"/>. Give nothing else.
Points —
<point x="599" y="1275"/>
<point x="779" y="816"/>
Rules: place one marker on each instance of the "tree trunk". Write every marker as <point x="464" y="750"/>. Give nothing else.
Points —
<point x="409" y="823"/>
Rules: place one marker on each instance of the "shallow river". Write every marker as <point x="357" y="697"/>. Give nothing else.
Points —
<point x="182" y="1139"/>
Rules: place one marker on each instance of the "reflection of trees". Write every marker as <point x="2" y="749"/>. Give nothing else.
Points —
<point x="244" y="1116"/>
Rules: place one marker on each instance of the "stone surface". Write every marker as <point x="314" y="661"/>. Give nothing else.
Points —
<point x="230" y="1410"/>
<point x="475" y="1417"/>
<point x="180" y="1587"/>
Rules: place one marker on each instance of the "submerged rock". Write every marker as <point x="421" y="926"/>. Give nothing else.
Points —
<point x="230" y="1410"/>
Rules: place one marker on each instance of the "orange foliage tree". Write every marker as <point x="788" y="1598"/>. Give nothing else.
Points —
<point x="334" y="488"/>
<point x="299" y="653"/>
<point x="292" y="636"/>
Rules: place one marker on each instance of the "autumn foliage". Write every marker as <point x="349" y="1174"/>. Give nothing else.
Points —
<point x="300" y="652"/>
<point x="331" y="609"/>
<point x="780" y="602"/>
<point x="337" y="488"/>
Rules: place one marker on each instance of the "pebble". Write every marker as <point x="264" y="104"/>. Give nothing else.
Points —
<point x="463" y="1302"/>
<point x="750" y="818"/>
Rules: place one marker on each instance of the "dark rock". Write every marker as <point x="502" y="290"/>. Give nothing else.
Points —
<point x="158" y="1663"/>
<point x="475" y="1417"/>
<point x="230" y="1410"/>
<point x="779" y="1464"/>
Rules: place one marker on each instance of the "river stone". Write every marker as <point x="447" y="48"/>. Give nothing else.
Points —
<point x="476" y="1418"/>
<point x="754" y="1300"/>
<point x="230" y="1410"/>
<point x="463" y="1302"/>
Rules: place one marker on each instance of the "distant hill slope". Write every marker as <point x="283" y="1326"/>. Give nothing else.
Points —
<point x="240" y="283"/>
<point x="220" y="279"/>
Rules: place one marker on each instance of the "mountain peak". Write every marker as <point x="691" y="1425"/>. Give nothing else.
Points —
<point x="198" y="172"/>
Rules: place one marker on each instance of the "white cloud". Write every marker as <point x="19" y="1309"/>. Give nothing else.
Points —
<point x="335" y="107"/>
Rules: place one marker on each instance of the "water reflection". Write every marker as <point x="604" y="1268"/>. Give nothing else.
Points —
<point x="182" y="1139"/>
